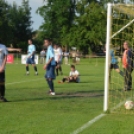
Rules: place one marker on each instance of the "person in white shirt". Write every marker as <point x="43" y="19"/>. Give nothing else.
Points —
<point x="66" y="56"/>
<point x="74" y="76"/>
<point x="42" y="56"/>
<point x="58" y="58"/>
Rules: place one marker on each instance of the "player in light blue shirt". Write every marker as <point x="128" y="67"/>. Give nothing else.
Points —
<point x="50" y="66"/>
<point x="31" y="57"/>
<point x="3" y="59"/>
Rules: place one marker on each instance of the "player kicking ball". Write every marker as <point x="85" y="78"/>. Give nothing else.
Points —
<point x="50" y="65"/>
<point x="73" y="76"/>
<point x="31" y="57"/>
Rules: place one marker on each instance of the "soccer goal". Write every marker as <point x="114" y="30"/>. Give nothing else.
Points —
<point x="120" y="30"/>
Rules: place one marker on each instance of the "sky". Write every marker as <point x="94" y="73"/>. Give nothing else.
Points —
<point x="34" y="4"/>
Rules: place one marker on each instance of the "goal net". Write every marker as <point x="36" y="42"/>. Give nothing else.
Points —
<point x="119" y="78"/>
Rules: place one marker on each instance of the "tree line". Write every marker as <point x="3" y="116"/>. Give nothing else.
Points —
<point x="15" y="24"/>
<point x="71" y="23"/>
<point x="75" y="23"/>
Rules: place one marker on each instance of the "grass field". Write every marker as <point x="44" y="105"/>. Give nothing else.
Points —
<point x="32" y="111"/>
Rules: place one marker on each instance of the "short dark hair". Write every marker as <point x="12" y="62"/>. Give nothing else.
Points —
<point x="48" y="39"/>
<point x="72" y="66"/>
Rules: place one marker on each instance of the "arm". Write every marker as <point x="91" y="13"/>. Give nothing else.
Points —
<point x="46" y="65"/>
<point x="14" y="49"/>
<point x="3" y="64"/>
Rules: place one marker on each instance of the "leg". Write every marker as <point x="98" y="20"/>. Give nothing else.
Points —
<point x="129" y="78"/>
<point x="65" y="79"/>
<point x="35" y="69"/>
<point x="51" y="86"/>
<point x="2" y="87"/>
<point x="116" y="68"/>
<point x="27" y="69"/>
<point x="125" y="78"/>
<point x="60" y="68"/>
<point x="57" y="69"/>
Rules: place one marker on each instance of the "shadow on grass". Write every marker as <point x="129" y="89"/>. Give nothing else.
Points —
<point x="61" y="95"/>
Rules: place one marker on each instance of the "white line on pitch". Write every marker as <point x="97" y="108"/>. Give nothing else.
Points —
<point x="22" y="81"/>
<point x="88" y="124"/>
<point x="91" y="122"/>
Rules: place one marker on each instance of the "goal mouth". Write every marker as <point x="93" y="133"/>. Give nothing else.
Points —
<point x="125" y="8"/>
<point x="119" y="84"/>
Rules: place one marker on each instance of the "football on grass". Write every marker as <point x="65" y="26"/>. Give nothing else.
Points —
<point x="129" y="105"/>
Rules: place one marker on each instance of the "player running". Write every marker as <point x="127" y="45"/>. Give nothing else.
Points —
<point x="3" y="59"/>
<point x="50" y="65"/>
<point x="31" y="57"/>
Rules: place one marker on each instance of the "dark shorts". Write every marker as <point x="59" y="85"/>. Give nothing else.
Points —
<point x="2" y="77"/>
<point x="30" y="61"/>
<point x="114" y="66"/>
<point x="50" y="72"/>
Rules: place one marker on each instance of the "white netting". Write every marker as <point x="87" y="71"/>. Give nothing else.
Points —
<point x="122" y="30"/>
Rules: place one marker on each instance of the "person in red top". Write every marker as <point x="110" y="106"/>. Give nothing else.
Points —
<point x="127" y="61"/>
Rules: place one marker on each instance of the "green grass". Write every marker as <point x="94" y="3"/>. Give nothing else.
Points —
<point x="32" y="111"/>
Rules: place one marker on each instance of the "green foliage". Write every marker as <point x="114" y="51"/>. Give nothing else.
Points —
<point x="15" y="23"/>
<point x="58" y="18"/>
<point x="81" y="24"/>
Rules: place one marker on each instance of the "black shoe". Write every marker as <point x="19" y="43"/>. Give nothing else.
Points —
<point x="2" y="99"/>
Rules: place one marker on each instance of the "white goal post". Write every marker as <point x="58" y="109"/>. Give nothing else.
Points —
<point x="125" y="9"/>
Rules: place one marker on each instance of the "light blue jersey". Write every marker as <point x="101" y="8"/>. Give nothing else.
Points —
<point x="50" y="54"/>
<point x="31" y="49"/>
<point x="3" y="53"/>
<point x="113" y="59"/>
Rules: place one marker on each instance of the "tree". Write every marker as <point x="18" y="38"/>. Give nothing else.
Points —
<point x="89" y="29"/>
<point x="58" y="15"/>
<point x="21" y="23"/>
<point x="15" y="23"/>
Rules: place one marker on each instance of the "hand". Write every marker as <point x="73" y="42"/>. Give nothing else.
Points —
<point x="1" y="69"/>
<point x="45" y="67"/>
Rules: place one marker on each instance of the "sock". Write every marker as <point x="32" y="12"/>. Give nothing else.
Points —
<point x="35" y="68"/>
<point x="27" y="68"/>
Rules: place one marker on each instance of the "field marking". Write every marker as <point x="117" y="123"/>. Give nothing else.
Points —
<point x="22" y="81"/>
<point x="88" y="124"/>
<point x="91" y="122"/>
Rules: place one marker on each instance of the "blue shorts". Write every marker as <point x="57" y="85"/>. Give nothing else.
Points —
<point x="30" y="61"/>
<point x="50" y="72"/>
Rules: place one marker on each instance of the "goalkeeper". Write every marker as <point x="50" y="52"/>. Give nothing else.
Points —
<point x="73" y="76"/>
<point x="127" y="61"/>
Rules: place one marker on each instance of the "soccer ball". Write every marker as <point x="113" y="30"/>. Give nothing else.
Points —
<point x="129" y="105"/>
